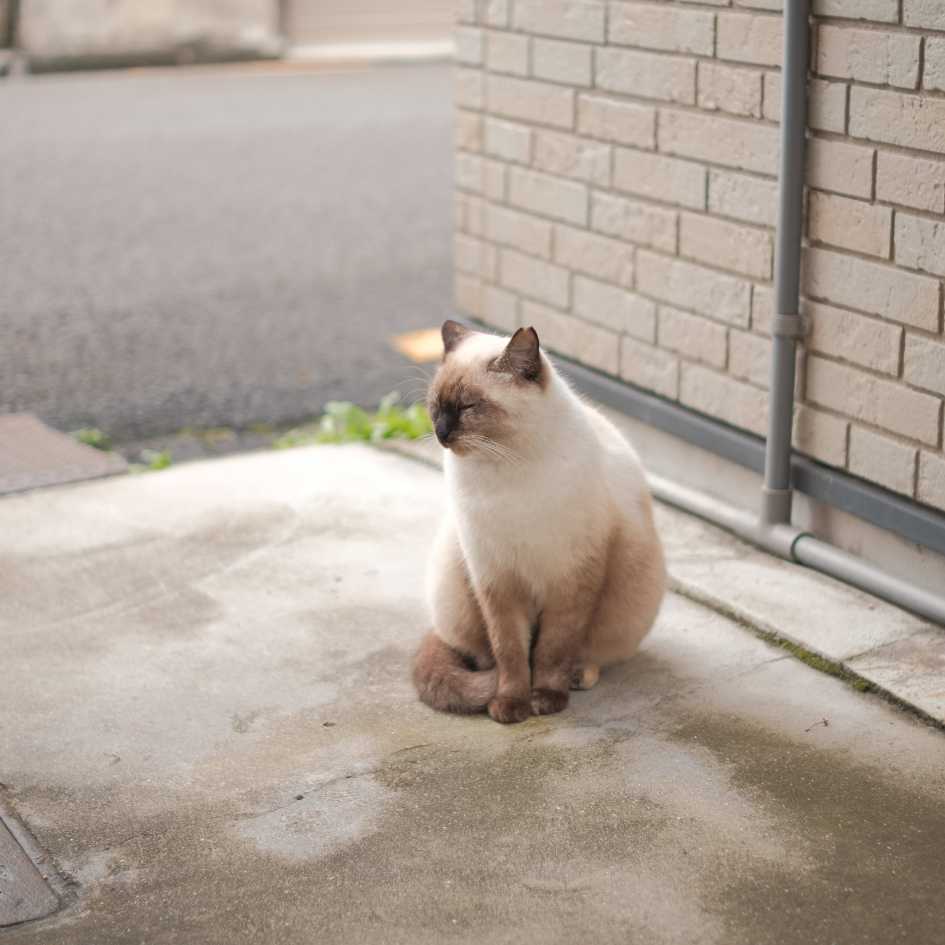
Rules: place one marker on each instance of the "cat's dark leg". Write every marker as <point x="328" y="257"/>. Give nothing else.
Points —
<point x="565" y="619"/>
<point x="556" y="654"/>
<point x="506" y="606"/>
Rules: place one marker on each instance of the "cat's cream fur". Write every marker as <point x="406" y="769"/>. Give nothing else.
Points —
<point x="548" y="565"/>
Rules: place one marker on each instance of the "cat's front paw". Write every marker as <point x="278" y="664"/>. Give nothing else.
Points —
<point x="548" y="701"/>
<point x="505" y="709"/>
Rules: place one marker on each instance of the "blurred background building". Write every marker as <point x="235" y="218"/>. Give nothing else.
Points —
<point x="54" y="34"/>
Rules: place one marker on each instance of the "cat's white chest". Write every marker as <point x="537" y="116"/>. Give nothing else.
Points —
<point x="534" y="530"/>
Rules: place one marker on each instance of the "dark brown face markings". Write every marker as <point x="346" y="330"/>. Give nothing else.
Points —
<point x="461" y="407"/>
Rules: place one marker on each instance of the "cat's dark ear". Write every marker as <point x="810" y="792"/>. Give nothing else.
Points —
<point x="522" y="356"/>
<point x="452" y="333"/>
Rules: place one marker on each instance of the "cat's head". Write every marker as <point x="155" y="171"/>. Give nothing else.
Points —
<point x="486" y="388"/>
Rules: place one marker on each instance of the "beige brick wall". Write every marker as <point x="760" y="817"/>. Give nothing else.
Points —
<point x="616" y="188"/>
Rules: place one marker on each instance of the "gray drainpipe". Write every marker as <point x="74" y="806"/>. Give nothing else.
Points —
<point x="772" y="530"/>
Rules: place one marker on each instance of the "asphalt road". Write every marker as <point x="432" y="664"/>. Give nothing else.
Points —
<point x="210" y="247"/>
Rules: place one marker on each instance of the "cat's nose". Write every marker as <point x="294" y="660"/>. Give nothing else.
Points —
<point x="445" y="426"/>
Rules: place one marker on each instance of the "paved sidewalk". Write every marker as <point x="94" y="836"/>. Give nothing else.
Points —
<point x="208" y="724"/>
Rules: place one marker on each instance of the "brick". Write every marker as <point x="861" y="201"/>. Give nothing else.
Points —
<point x="533" y="277"/>
<point x="531" y="101"/>
<point x="925" y="14"/>
<point x="747" y="37"/>
<point x="840" y="167"/>
<point x="494" y="180"/>
<point x="500" y="308"/>
<point x="826" y="102"/>
<point x="882" y="460"/>
<point x="469" y="172"/>
<point x="614" y="120"/>
<point x="468" y="88"/>
<point x="692" y="336"/>
<point x="467" y="254"/>
<point x="852" y="224"/>
<point x="647" y="75"/>
<point x="920" y="243"/>
<point x="636" y="222"/>
<point x="502" y="139"/>
<point x="560" y="199"/>
<point x="853" y="337"/>
<point x="931" y="484"/>
<point x="774" y="5"/>
<point x="494" y="12"/>
<point x="468" y="213"/>
<point x="869" y="56"/>
<point x="468" y="41"/>
<point x="468" y="131"/>
<point x="925" y="364"/>
<point x="594" y="255"/>
<point x="910" y="181"/>
<point x="749" y="357"/>
<point x="692" y="287"/>
<point x="762" y="308"/>
<point x="489" y="262"/>
<point x="589" y="344"/>
<point x="559" y="61"/>
<point x="467" y="294"/>
<point x="660" y="178"/>
<point x="741" y="144"/>
<point x="933" y="76"/>
<point x="569" y="19"/>
<point x="650" y="368"/>
<point x="614" y="308"/>
<point x="507" y="52"/>
<point x="653" y="26"/>
<point x="729" y="89"/>
<point x="882" y="11"/>
<point x="885" y="404"/>
<point x="912" y="121"/>
<point x="820" y="435"/>
<point x="871" y="287"/>
<point x="752" y="199"/>
<point x="724" y="398"/>
<point x="725" y="245"/>
<point x="569" y="156"/>
<point x="518" y="230"/>
<point x="827" y="105"/>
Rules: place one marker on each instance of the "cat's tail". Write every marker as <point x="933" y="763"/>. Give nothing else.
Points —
<point x="444" y="680"/>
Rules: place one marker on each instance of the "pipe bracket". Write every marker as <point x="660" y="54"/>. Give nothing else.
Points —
<point x="788" y="326"/>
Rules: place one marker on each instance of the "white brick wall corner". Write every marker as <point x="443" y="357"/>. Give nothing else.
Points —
<point x="616" y="187"/>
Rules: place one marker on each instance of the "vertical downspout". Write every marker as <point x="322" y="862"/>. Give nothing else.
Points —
<point x="776" y="493"/>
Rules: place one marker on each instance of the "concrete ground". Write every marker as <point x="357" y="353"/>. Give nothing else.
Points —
<point x="208" y="726"/>
<point x="219" y="246"/>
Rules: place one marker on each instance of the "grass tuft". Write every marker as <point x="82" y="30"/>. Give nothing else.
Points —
<point x="344" y="422"/>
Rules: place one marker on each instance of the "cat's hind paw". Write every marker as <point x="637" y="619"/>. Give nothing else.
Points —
<point x="549" y="701"/>
<point x="585" y="676"/>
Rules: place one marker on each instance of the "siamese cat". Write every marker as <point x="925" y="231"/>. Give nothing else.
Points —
<point x="547" y="566"/>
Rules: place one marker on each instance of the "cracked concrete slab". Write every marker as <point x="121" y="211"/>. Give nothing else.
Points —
<point x="209" y="726"/>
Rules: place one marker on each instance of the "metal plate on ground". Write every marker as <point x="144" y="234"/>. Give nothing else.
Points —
<point x="33" y="455"/>
<point x="24" y="894"/>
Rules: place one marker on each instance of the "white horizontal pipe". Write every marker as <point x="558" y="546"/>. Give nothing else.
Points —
<point x="794" y="545"/>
